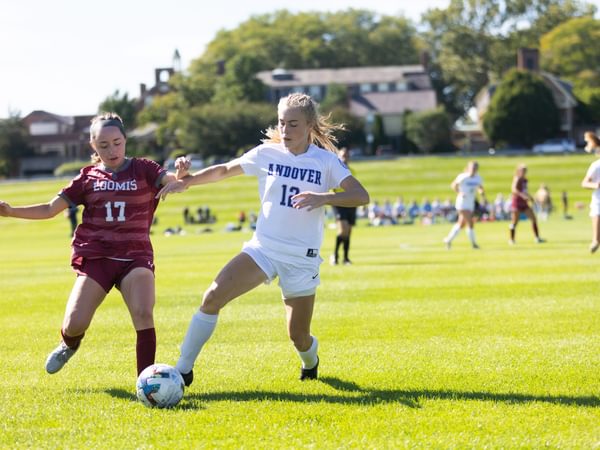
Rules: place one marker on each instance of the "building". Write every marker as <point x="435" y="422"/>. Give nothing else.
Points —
<point x="562" y="92"/>
<point x="387" y="91"/>
<point x="58" y="139"/>
<point x="162" y="76"/>
<point x="55" y="140"/>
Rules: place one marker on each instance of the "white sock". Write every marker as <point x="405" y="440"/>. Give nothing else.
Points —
<point x="200" y="330"/>
<point x="309" y="357"/>
<point x="471" y="234"/>
<point x="453" y="232"/>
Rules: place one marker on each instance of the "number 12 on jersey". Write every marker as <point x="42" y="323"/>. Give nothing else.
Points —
<point x="287" y="194"/>
<point x="119" y="207"/>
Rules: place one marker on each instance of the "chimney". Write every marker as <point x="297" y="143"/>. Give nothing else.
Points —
<point x="528" y="59"/>
<point x="142" y="90"/>
<point x="424" y="59"/>
<point x="221" y="67"/>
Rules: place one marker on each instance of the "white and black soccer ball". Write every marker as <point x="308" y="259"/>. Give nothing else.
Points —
<point x="160" y="386"/>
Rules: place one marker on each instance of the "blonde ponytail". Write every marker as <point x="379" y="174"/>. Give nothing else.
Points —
<point x="321" y="128"/>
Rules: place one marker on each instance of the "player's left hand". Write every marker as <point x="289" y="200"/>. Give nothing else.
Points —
<point x="172" y="187"/>
<point x="4" y="209"/>
<point x="308" y="200"/>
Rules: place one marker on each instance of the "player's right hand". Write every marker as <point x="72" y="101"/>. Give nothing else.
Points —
<point x="182" y="167"/>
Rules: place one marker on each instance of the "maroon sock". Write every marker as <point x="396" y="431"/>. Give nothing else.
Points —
<point x="145" y="348"/>
<point x="71" y="341"/>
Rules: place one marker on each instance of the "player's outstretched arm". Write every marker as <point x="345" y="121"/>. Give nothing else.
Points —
<point x="210" y="174"/>
<point x="587" y="183"/>
<point x="35" y="212"/>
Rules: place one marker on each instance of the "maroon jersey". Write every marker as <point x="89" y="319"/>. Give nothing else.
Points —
<point x="519" y="202"/>
<point x="118" y="209"/>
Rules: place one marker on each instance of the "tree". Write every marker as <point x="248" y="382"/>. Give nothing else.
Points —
<point x="473" y="42"/>
<point x="522" y="111"/>
<point x="429" y="130"/>
<point x="354" y="133"/>
<point x="122" y="105"/>
<point x="337" y="96"/>
<point x="343" y="39"/>
<point x="569" y="51"/>
<point x="225" y="130"/>
<point x="13" y="145"/>
<point x="239" y="81"/>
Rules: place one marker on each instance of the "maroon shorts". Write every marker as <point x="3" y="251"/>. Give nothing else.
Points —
<point x="520" y="207"/>
<point x="108" y="272"/>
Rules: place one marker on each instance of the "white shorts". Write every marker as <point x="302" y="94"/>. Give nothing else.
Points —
<point x="464" y="203"/>
<point x="594" y="209"/>
<point x="298" y="276"/>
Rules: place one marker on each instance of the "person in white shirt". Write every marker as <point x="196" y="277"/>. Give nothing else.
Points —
<point x="466" y="185"/>
<point x="297" y="168"/>
<point x="592" y="181"/>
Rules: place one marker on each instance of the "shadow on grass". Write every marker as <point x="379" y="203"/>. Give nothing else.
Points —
<point x="353" y="394"/>
<point x="409" y="398"/>
<point x="122" y="394"/>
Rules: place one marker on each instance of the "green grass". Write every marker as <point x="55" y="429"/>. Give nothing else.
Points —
<point x="420" y="347"/>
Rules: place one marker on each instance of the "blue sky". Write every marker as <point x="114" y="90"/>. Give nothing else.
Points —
<point x="66" y="56"/>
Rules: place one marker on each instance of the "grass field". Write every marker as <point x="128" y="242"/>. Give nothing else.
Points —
<point x="420" y="347"/>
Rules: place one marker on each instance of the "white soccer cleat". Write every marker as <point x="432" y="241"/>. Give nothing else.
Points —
<point x="59" y="357"/>
<point x="448" y="243"/>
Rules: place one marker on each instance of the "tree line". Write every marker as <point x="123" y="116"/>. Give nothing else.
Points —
<point x="217" y="108"/>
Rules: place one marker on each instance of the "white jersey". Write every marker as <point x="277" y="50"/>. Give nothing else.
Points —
<point x="593" y="175"/>
<point x="280" y="227"/>
<point x="467" y="189"/>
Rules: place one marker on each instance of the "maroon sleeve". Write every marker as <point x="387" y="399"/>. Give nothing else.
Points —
<point x="74" y="193"/>
<point x="153" y="171"/>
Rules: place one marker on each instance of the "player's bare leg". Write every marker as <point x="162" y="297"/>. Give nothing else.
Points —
<point x="239" y="276"/>
<point x="84" y="299"/>
<point x="595" y="234"/>
<point x="299" y="311"/>
<point x="531" y="215"/>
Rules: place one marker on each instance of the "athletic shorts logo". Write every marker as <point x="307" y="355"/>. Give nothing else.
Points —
<point x="312" y="252"/>
<point x="315" y="276"/>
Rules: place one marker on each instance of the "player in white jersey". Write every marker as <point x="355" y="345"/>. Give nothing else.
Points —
<point x="466" y="185"/>
<point x="592" y="181"/>
<point x="295" y="178"/>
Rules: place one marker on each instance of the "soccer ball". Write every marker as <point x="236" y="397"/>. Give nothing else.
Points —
<point x="160" y="386"/>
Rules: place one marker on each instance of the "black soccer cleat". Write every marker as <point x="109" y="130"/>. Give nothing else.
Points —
<point x="187" y="377"/>
<point x="310" y="374"/>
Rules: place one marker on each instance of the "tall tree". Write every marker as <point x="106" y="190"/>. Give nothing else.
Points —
<point x="342" y="39"/>
<point x="522" y="111"/>
<point x="13" y="145"/>
<point x="122" y="105"/>
<point x="225" y="130"/>
<point x="475" y="41"/>
<point x="571" y="50"/>
<point x="430" y="130"/>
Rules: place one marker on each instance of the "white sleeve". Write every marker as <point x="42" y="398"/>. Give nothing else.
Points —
<point x="338" y="172"/>
<point x="249" y="162"/>
<point x="592" y="173"/>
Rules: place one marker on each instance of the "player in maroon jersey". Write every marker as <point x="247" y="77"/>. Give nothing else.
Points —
<point x="520" y="204"/>
<point x="111" y="246"/>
